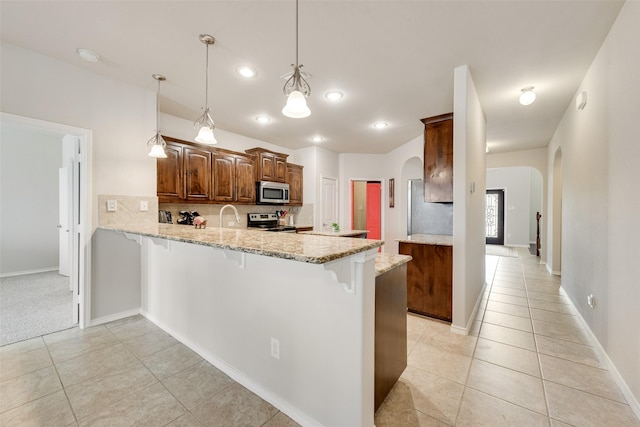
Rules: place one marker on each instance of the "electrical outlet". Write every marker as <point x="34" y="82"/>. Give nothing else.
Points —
<point x="275" y="348"/>
<point x="112" y="205"/>
<point x="144" y="205"/>
<point x="231" y="224"/>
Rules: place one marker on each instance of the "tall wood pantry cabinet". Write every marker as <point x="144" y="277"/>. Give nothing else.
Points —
<point x="438" y="158"/>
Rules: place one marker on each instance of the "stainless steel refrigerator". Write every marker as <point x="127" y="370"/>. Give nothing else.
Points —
<point x="427" y="218"/>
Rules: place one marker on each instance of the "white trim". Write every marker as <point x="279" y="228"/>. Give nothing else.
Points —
<point x="114" y="317"/>
<point x="22" y="273"/>
<point x="239" y="377"/>
<point x="624" y="388"/>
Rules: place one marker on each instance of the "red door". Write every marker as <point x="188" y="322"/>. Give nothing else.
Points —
<point x="373" y="209"/>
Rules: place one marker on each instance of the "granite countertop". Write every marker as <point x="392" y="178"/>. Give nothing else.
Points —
<point x="387" y="262"/>
<point x="294" y="246"/>
<point x="341" y="233"/>
<point x="429" y="239"/>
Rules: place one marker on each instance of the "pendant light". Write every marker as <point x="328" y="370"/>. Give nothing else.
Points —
<point x="205" y="123"/>
<point x="296" y="87"/>
<point x="156" y="143"/>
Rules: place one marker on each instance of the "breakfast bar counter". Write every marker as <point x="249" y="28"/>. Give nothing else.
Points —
<point x="289" y="316"/>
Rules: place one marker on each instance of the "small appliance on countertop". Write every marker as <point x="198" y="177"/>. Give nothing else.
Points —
<point x="268" y="222"/>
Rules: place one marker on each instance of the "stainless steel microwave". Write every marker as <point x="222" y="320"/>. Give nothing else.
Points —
<point x="272" y="193"/>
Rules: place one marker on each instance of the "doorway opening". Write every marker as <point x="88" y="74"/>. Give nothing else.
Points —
<point x="54" y="257"/>
<point x="494" y="217"/>
<point x="366" y="207"/>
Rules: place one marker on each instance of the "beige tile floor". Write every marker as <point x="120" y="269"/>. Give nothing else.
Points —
<point x="527" y="363"/>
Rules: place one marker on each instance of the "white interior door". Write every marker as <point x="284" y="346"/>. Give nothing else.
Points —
<point x="64" y="234"/>
<point x="329" y="201"/>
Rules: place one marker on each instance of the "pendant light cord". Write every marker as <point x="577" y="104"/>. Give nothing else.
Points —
<point x="206" y="82"/>
<point x="296" y="33"/>
<point x="158" y="108"/>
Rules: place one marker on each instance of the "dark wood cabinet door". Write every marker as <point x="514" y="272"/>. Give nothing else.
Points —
<point x="294" y="179"/>
<point x="280" y="169"/>
<point x="197" y="166"/>
<point x="224" y="177"/>
<point x="438" y="158"/>
<point x="245" y="179"/>
<point x="429" y="279"/>
<point x="170" y="182"/>
<point x="270" y="166"/>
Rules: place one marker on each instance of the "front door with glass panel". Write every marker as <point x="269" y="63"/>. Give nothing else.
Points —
<point x="495" y="217"/>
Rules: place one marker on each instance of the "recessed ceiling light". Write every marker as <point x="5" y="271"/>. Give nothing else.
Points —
<point x="527" y="96"/>
<point x="263" y="119"/>
<point x="317" y="138"/>
<point x="380" y="125"/>
<point x="246" y="71"/>
<point x="88" y="55"/>
<point x="334" y="95"/>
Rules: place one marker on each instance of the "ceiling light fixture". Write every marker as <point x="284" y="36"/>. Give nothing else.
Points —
<point x="156" y="143"/>
<point x="380" y="125"/>
<point x="527" y="96"/>
<point x="296" y="87"/>
<point x="246" y="71"/>
<point x="317" y="138"/>
<point x="334" y="95"/>
<point x="263" y="119"/>
<point x="205" y="122"/>
<point x="88" y="55"/>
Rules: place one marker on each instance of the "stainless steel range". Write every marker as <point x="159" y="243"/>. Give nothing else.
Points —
<point x="267" y="222"/>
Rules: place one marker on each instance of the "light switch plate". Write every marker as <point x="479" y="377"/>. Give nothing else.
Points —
<point x="144" y="205"/>
<point x="112" y="205"/>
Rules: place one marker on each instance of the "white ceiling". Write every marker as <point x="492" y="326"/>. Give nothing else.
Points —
<point x="393" y="60"/>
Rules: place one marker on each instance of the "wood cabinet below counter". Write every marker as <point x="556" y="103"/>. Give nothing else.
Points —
<point x="429" y="278"/>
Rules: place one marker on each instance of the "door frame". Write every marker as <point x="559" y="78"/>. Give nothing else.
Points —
<point x="501" y="219"/>
<point x="384" y="186"/>
<point x="82" y="221"/>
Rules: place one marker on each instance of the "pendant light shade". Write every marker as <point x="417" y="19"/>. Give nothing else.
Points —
<point x="205" y="123"/>
<point x="296" y="106"/>
<point x="296" y="87"/>
<point x="156" y="143"/>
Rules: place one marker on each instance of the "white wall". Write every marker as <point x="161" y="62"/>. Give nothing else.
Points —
<point x="121" y="116"/>
<point x="516" y="183"/>
<point x="536" y="159"/>
<point x="29" y="162"/>
<point x="600" y="202"/>
<point x="469" y="168"/>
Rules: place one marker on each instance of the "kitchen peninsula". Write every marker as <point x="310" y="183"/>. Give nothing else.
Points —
<point x="289" y="316"/>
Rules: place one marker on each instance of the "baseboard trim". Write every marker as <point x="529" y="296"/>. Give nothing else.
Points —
<point x="465" y="331"/>
<point x="22" y="273"/>
<point x="624" y="388"/>
<point x="114" y="317"/>
<point x="239" y="377"/>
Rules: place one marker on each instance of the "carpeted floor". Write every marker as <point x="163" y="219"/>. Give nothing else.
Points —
<point x="502" y="251"/>
<point x="34" y="304"/>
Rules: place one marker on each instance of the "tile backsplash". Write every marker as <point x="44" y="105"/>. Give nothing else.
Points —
<point x="127" y="209"/>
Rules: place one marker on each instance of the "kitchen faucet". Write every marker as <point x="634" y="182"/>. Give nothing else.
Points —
<point x="234" y="209"/>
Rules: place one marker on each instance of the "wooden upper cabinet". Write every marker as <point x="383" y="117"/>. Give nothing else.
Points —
<point x="294" y="179"/>
<point x="245" y="179"/>
<point x="170" y="182"/>
<point x="197" y="167"/>
<point x="270" y="166"/>
<point x="224" y="177"/>
<point x="438" y="158"/>
<point x="233" y="178"/>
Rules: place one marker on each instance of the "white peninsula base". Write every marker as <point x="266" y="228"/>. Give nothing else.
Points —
<point x="230" y="306"/>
